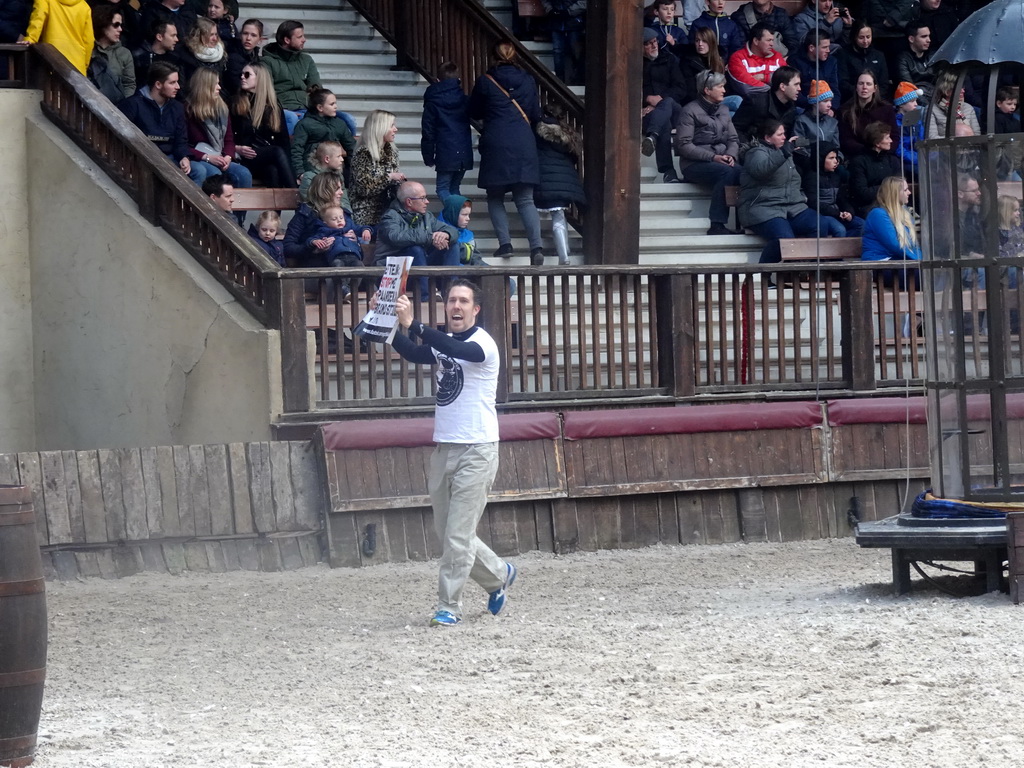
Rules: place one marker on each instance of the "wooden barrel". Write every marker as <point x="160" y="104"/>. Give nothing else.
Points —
<point x="22" y="628"/>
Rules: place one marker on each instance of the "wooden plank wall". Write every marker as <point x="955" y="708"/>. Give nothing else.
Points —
<point x="251" y="506"/>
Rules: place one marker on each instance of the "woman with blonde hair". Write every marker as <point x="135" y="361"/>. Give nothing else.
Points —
<point x="1011" y="236"/>
<point x="889" y="232"/>
<point x="375" y="171"/>
<point x="210" y="138"/>
<point x="505" y="100"/>
<point x="203" y="49"/>
<point x="261" y="137"/>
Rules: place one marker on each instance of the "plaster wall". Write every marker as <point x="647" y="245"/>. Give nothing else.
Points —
<point x="134" y="343"/>
<point x="17" y="409"/>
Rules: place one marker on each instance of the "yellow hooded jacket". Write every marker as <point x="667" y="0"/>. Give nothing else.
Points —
<point x="67" y="26"/>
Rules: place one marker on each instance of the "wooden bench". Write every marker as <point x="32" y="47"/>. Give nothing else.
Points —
<point x="266" y="199"/>
<point x="375" y="473"/>
<point x="823" y="249"/>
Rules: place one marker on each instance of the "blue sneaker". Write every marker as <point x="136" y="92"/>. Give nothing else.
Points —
<point x="497" y="599"/>
<point x="444" y="619"/>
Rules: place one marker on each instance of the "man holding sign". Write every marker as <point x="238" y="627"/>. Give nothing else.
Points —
<point x="465" y="460"/>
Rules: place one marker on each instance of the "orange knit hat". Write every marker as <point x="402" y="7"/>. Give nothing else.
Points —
<point x="819" y="92"/>
<point x="906" y="92"/>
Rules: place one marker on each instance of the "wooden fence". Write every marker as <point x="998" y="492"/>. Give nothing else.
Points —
<point x="254" y="506"/>
<point x="619" y="336"/>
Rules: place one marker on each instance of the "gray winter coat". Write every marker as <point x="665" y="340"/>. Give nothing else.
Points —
<point x="398" y="229"/>
<point x="769" y="185"/>
<point x="704" y="130"/>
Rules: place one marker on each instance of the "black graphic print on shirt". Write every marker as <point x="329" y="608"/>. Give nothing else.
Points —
<point x="450" y="379"/>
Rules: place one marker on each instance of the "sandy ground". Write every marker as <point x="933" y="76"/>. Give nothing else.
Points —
<point x="739" y="655"/>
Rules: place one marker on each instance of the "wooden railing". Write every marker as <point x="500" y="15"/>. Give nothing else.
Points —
<point x="428" y="32"/>
<point x="650" y="334"/>
<point x="164" y="194"/>
<point x="14" y="66"/>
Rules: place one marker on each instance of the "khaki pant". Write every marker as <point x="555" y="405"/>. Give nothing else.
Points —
<point x="460" y="478"/>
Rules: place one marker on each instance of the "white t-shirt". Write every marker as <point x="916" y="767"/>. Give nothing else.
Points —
<point x="465" y="411"/>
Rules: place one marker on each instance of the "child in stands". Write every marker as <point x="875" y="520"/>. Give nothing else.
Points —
<point x="322" y="122"/>
<point x="827" y="194"/>
<point x="265" y="232"/>
<point x="671" y="37"/>
<point x="905" y="102"/>
<point x="447" y="142"/>
<point x="1007" y="120"/>
<point x="217" y="12"/>
<point x="456" y="212"/>
<point x="337" y="238"/>
<point x="325" y="157"/>
<point x="730" y="36"/>
<point x="818" y="124"/>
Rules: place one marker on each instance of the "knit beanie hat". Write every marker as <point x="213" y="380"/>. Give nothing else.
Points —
<point x="649" y="34"/>
<point x="906" y="92"/>
<point x="819" y="92"/>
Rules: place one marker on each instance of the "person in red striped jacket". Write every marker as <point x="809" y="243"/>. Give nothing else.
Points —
<point x="753" y="64"/>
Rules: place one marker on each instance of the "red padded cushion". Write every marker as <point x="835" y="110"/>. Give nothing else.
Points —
<point x="736" y="417"/>
<point x="877" y="410"/>
<point x="413" y="433"/>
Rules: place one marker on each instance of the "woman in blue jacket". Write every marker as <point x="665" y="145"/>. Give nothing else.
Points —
<point x="889" y="233"/>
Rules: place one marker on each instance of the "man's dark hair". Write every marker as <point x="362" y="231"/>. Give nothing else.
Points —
<point x="214" y="185"/>
<point x="157" y="28"/>
<point x="252" y="23"/>
<point x="658" y="3"/>
<point x="783" y="76"/>
<point x="815" y="37"/>
<point x="159" y="71"/>
<point x="769" y="126"/>
<point x="286" y="29"/>
<point x="914" y="27"/>
<point x="448" y="70"/>
<point x="461" y="282"/>
<point x="758" y="30"/>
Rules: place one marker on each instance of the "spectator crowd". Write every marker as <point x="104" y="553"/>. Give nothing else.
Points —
<point x="817" y="126"/>
<point x="803" y="114"/>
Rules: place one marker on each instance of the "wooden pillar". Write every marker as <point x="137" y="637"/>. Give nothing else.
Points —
<point x="611" y="232"/>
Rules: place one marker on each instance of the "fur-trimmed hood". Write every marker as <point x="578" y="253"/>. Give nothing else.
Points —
<point x="560" y="135"/>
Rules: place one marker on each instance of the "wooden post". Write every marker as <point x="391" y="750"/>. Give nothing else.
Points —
<point x="611" y="232"/>
<point x="674" y="297"/>
<point x="1015" y="553"/>
<point x="287" y="310"/>
<point x="495" y="321"/>
<point x="857" y="329"/>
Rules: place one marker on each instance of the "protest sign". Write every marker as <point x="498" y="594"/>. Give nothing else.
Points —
<point x="381" y="322"/>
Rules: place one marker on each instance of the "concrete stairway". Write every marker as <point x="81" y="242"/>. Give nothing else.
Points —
<point x="355" y="62"/>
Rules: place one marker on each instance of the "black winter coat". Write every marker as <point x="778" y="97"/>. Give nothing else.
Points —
<point x="184" y="19"/>
<point x="508" y="151"/>
<point x="853" y="61"/>
<point x="560" y="184"/>
<point x="755" y="108"/>
<point x="866" y="174"/>
<point x="14" y="15"/>
<point x="446" y="141"/>
<point x="663" y="77"/>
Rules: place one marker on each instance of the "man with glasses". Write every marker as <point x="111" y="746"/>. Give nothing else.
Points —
<point x="407" y="228"/>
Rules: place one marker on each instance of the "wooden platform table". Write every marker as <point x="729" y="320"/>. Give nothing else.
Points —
<point x="978" y="540"/>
